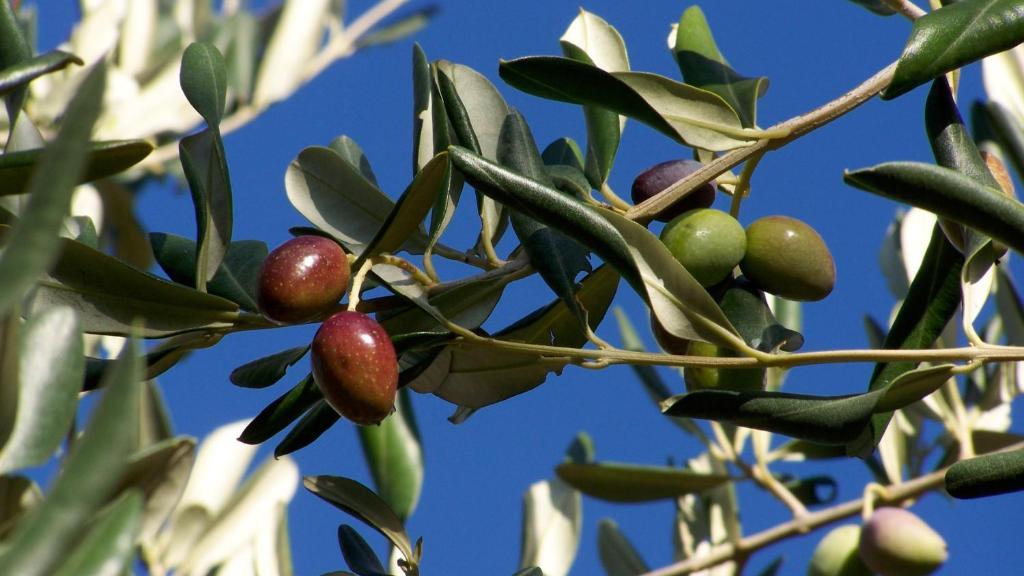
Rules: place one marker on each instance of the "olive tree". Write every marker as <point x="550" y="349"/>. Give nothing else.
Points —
<point x="82" y="314"/>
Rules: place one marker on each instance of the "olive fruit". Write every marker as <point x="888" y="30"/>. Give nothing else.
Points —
<point x="302" y="279"/>
<point x="708" y="243"/>
<point x="836" y="554"/>
<point x="895" y="542"/>
<point x="657" y="178"/>
<point x="355" y="367"/>
<point x="706" y="378"/>
<point x="788" y="258"/>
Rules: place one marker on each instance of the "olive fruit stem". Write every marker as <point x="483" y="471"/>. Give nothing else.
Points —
<point x="357" y="283"/>
<point x="613" y="198"/>
<point x="742" y="186"/>
<point x="892" y="494"/>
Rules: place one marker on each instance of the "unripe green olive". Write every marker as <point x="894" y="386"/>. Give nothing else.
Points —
<point x="356" y="367"/>
<point x="708" y="243"/>
<point x="786" y="257"/>
<point x="302" y="279"/>
<point x="836" y="554"/>
<point x="895" y="542"/>
<point x="657" y="178"/>
<point x="707" y="378"/>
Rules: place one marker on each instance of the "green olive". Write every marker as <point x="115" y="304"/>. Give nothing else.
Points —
<point x="708" y="243"/>
<point x="701" y="378"/>
<point x="788" y="258"/>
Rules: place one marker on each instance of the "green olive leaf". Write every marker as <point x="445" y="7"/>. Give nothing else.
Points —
<point x="704" y="66"/>
<point x="317" y="420"/>
<point x="358" y="554"/>
<point x="394" y="453"/>
<point x="266" y="371"/>
<point x="50" y="369"/>
<point x="103" y="159"/>
<point x="236" y="277"/>
<point x="206" y="170"/>
<point x="687" y="114"/>
<point x="284" y="410"/>
<point x="204" y="80"/>
<point x="20" y="74"/>
<point x="109" y="544"/>
<point x="1006" y="129"/>
<point x="337" y="198"/>
<point x="953" y="36"/>
<point x="34" y="243"/>
<point x="14" y="50"/>
<point x="88" y="479"/>
<point x="109" y="295"/>
<point x="361" y="502"/>
<point x="947" y="193"/>
<point x="986" y="475"/>
<point x="616" y="482"/>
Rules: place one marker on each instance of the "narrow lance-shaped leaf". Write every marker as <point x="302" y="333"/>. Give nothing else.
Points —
<point x="931" y="302"/>
<point x="704" y="66"/>
<point x="281" y="412"/>
<point x="987" y="475"/>
<point x="88" y="479"/>
<point x="317" y="420"/>
<point x="948" y="194"/>
<point x="361" y="502"/>
<point x="266" y="371"/>
<point x="106" y="549"/>
<point x="422" y="131"/>
<point x="553" y="518"/>
<point x="206" y="169"/>
<point x="1006" y="128"/>
<point x="105" y="158"/>
<point x="395" y="457"/>
<point x="687" y="114"/>
<point x="953" y="36"/>
<point x="357" y="552"/>
<point x="51" y="366"/>
<point x="20" y="74"/>
<point x="34" y="243"/>
<point x="618" y="556"/>
<point x="14" y="49"/>
<point x="617" y="482"/>
<point x="557" y="258"/>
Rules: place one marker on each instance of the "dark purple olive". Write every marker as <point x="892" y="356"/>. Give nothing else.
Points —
<point x="302" y="279"/>
<point x="652" y="181"/>
<point x="355" y="367"/>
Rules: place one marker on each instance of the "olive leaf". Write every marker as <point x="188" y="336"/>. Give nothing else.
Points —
<point x="615" y="482"/>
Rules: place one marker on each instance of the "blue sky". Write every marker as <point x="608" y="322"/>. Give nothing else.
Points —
<point x="476" y="473"/>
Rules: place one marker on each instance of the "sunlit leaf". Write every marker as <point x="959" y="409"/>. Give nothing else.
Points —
<point x="50" y="369"/>
<point x="395" y="457"/>
<point x="953" y="36"/>
<point x="400" y="27"/>
<point x="107" y="547"/>
<point x="14" y="49"/>
<point x="704" y="66"/>
<point x="687" y="114"/>
<point x="87" y="480"/>
<point x="20" y="74"/>
<point x="159" y="472"/>
<point x="206" y="169"/>
<point x="109" y="295"/>
<point x="617" y="482"/>
<point x="33" y="244"/>
<point x="102" y="159"/>
<point x="363" y="503"/>
<point x="298" y="34"/>
<point x="552" y="521"/>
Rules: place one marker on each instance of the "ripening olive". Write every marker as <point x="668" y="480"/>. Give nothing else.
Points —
<point x="708" y="243"/>
<point x="302" y="279"/>
<point x="706" y="378"/>
<point x="788" y="258"/>
<point x="355" y="367"/>
<point x="895" y="542"/>
<point x="657" y="178"/>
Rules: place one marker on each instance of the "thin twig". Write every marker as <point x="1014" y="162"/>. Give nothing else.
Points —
<point x="906" y="8"/>
<point x="892" y="494"/>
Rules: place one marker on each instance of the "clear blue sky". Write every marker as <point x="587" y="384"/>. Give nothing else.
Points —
<point x="470" y="510"/>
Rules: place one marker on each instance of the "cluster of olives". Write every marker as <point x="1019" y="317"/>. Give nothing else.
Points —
<point x="893" y="542"/>
<point x="776" y="254"/>
<point x="354" y="361"/>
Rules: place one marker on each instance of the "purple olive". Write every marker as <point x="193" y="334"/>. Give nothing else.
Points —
<point x="355" y="367"/>
<point x="302" y="279"/>
<point x="652" y="181"/>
